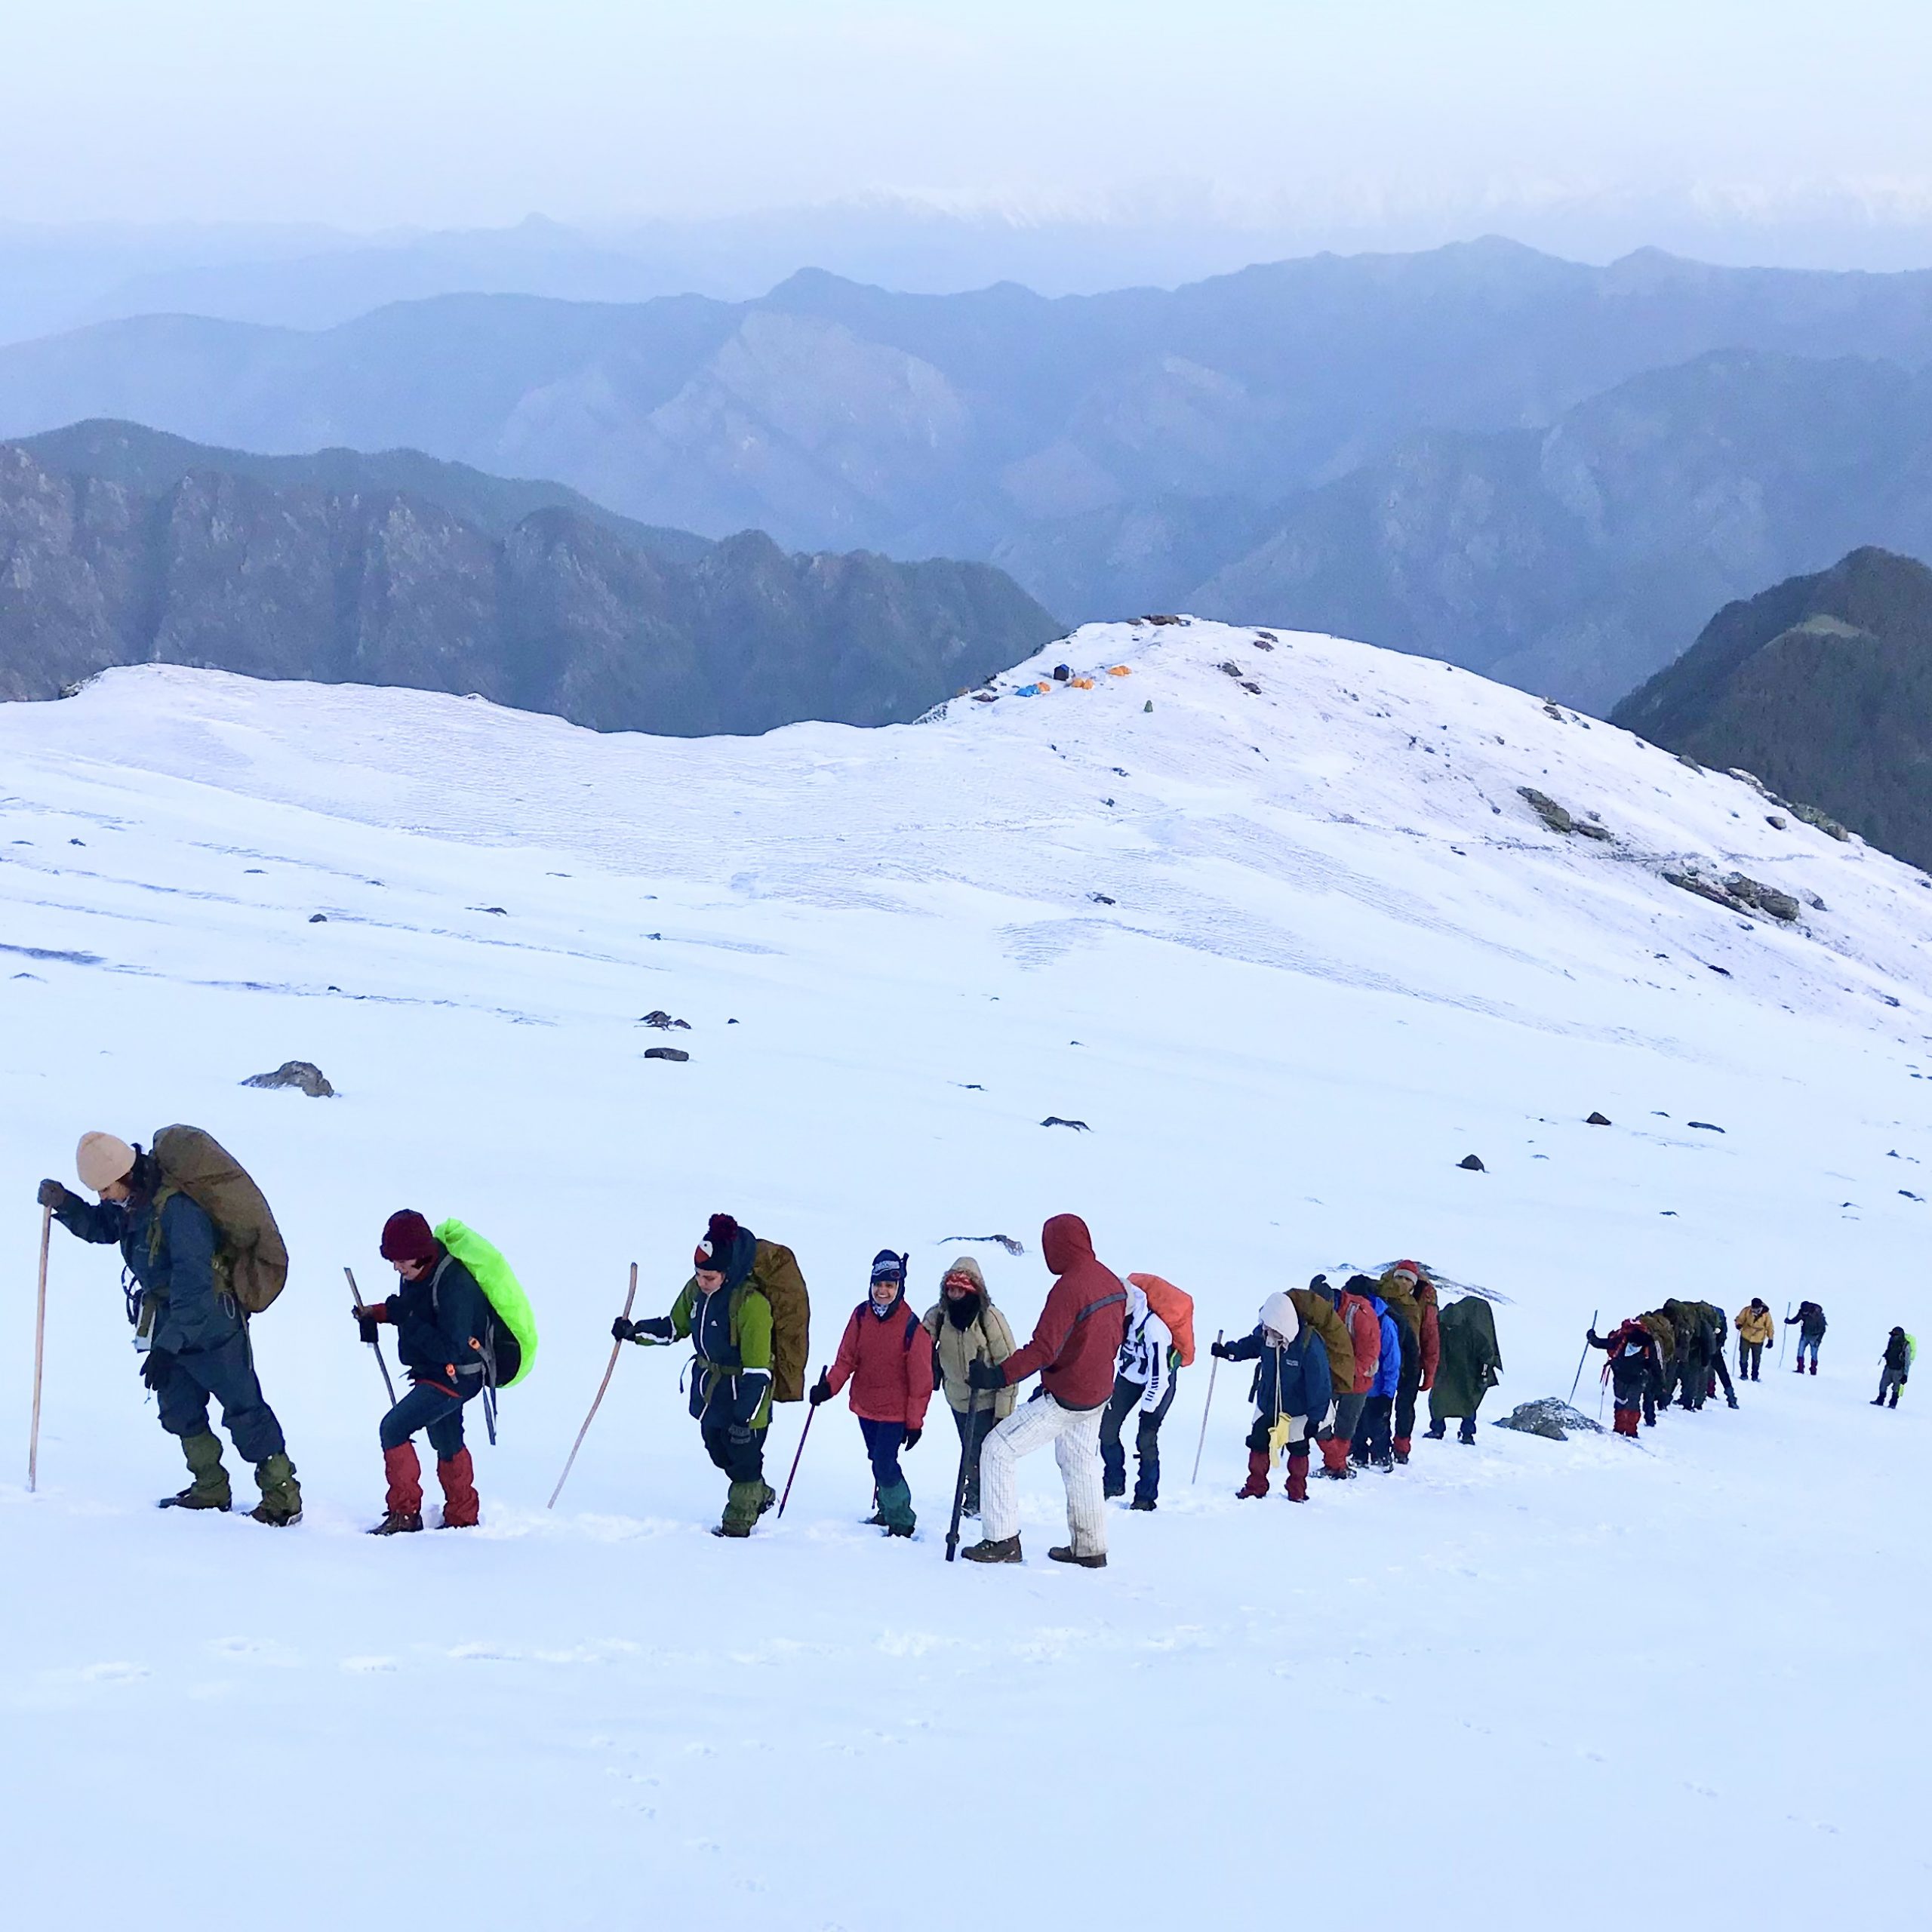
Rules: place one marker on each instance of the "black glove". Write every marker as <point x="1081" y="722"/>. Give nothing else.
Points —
<point x="1219" y="1349"/>
<point x="52" y="1195"/>
<point x="821" y="1391"/>
<point x="157" y="1365"/>
<point x="367" y="1323"/>
<point x="622" y="1330"/>
<point x="986" y="1375"/>
<point x="658" y="1327"/>
<point x="913" y="1439"/>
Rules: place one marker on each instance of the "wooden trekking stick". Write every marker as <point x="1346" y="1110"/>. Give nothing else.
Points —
<point x="611" y="1371"/>
<point x="1205" y="1407"/>
<point x="1784" y="1333"/>
<point x="810" y="1411"/>
<point x="1585" y="1357"/>
<point x="362" y="1308"/>
<point x="39" y="1347"/>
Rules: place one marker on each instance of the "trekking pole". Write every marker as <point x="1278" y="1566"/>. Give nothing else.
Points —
<point x="362" y="1308"/>
<point x="1784" y="1333"/>
<point x="968" y="1449"/>
<point x="1206" y="1407"/>
<point x="611" y="1371"/>
<point x="810" y="1411"/>
<point x="1576" y="1382"/>
<point x="39" y="1347"/>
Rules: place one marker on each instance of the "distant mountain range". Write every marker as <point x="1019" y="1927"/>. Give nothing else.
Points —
<point x="1822" y="686"/>
<point x="120" y="546"/>
<point x="1545" y="471"/>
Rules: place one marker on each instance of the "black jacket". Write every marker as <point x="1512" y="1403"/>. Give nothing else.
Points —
<point x="1898" y="1351"/>
<point x="442" y="1322"/>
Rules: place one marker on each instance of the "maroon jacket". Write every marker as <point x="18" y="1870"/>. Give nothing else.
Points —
<point x="1078" y="1334"/>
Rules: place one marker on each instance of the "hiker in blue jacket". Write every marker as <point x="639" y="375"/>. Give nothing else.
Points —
<point x="194" y="1337"/>
<point x="1291" y="1385"/>
<point x="1375" y="1444"/>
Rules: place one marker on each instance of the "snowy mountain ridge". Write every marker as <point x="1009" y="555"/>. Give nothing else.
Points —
<point x="1286" y="955"/>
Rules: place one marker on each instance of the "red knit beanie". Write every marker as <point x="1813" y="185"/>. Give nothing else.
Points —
<point x="406" y="1237"/>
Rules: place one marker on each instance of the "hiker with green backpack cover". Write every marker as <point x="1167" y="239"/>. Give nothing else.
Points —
<point x="464" y="1329"/>
<point x="202" y="1250"/>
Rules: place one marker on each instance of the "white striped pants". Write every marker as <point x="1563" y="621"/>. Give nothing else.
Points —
<point x="1076" y="1435"/>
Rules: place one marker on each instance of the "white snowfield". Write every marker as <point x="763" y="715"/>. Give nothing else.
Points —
<point x="1290" y="953"/>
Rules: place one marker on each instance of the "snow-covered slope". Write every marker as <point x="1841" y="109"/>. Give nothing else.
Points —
<point x="1290" y="952"/>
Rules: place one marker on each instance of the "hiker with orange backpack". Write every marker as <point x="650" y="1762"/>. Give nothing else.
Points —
<point x="442" y="1320"/>
<point x="1363" y="1323"/>
<point x="887" y="1357"/>
<point x="1146" y="1374"/>
<point x="191" y="1331"/>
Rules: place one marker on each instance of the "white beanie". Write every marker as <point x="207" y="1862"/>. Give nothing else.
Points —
<point x="101" y="1159"/>
<point x="1279" y="1314"/>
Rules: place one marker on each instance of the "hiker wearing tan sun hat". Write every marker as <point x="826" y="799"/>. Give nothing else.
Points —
<point x="197" y="1274"/>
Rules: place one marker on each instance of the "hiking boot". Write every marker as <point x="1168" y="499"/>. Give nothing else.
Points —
<point x="992" y="1549"/>
<point x="1066" y="1553"/>
<point x="1384" y="1465"/>
<point x="1877" y="1402"/>
<point x="1257" y="1483"/>
<point x="1297" y="1484"/>
<point x="398" y="1523"/>
<point x="210" y="1490"/>
<point x="733" y="1530"/>
<point x="1436" y="1431"/>
<point x="899" y="1529"/>
<point x="1142" y="1502"/>
<point x="745" y="1503"/>
<point x="895" y="1509"/>
<point x="1814" y="1365"/>
<point x="281" y="1505"/>
<point x="1401" y="1452"/>
<point x="1467" y="1433"/>
<point x="1730" y="1401"/>
<point x="770" y="1497"/>
<point x="1112" y="1492"/>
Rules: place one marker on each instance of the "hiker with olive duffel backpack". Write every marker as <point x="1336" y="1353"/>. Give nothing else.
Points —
<point x="464" y="1329"/>
<point x="202" y="1254"/>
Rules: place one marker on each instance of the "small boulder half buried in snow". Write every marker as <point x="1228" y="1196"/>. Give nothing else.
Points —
<point x="1549" y="1416"/>
<point x="299" y="1073"/>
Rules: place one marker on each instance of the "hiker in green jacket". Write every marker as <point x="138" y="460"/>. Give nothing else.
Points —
<point x="727" y="1316"/>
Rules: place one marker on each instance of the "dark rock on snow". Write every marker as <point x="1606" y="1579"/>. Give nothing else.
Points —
<point x="663" y="1021"/>
<point x="1549" y="1416"/>
<point x="1054" y="1120"/>
<point x="1598" y="1119"/>
<point x="665" y="1053"/>
<point x="299" y="1073"/>
<point x="1473" y="1164"/>
<point x="1709" y="1126"/>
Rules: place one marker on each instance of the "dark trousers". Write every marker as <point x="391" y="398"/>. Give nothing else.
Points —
<point x="1404" y="1425"/>
<point x="1721" y="1370"/>
<point x="1372" y="1442"/>
<point x="1261" y="1437"/>
<point x="1348" y="1418"/>
<point x="974" y="1426"/>
<point x="429" y="1408"/>
<point x="884" y="1441"/>
<point x="1147" y="1440"/>
<point x="1695" y="1379"/>
<point x="1749" y="1355"/>
<point x="228" y="1374"/>
<point x="743" y="1461"/>
<point x="1653" y="1387"/>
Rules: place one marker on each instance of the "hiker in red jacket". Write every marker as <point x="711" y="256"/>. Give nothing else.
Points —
<point x="1074" y="1346"/>
<point x="887" y="1355"/>
<point x="1364" y="1327"/>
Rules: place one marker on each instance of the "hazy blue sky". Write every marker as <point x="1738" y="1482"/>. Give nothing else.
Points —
<point x="370" y="113"/>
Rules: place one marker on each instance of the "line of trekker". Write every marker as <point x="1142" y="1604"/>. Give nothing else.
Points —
<point x="1337" y="1369"/>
